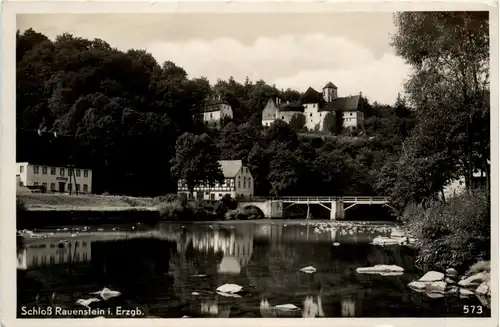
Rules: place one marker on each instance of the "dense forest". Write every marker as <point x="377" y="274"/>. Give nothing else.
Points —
<point x="123" y="113"/>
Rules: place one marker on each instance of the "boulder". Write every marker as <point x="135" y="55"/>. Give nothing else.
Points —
<point x="474" y="280"/>
<point x="484" y="289"/>
<point x="380" y="269"/>
<point x="308" y="270"/>
<point x="380" y="240"/>
<point x="451" y="272"/>
<point x="465" y="292"/>
<point x="397" y="233"/>
<point x="229" y="288"/>
<point x="435" y="286"/>
<point x="432" y="276"/>
<point x="449" y="281"/>
<point x="433" y="295"/>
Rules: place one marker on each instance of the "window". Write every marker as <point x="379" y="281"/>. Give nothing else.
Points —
<point x="44" y="170"/>
<point x="35" y="183"/>
<point x="52" y="186"/>
<point x="282" y="117"/>
<point x="35" y="261"/>
<point x="21" y="169"/>
<point x="52" y="171"/>
<point x="244" y="182"/>
<point x="350" y="114"/>
<point x="61" y="171"/>
<point x="44" y="185"/>
<point x="77" y="173"/>
<point x="78" y="187"/>
<point x="85" y="189"/>
<point x="85" y="173"/>
<point x="239" y="184"/>
<point x="249" y="183"/>
<point x="84" y="244"/>
<point x="36" y="169"/>
<point x="310" y="115"/>
<point x="220" y="195"/>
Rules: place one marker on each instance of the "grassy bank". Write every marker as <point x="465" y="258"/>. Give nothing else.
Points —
<point x="64" y="202"/>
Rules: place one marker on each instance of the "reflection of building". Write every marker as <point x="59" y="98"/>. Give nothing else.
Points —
<point x="348" y="307"/>
<point x="212" y="308"/>
<point x="54" y="252"/>
<point x="313" y="309"/>
<point x="237" y="250"/>
<point x="54" y="179"/>
<point x="237" y="181"/>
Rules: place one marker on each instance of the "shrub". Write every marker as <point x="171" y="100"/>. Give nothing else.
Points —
<point x="479" y="267"/>
<point x="451" y="234"/>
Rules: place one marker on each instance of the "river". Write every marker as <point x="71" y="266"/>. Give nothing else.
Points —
<point x="172" y="271"/>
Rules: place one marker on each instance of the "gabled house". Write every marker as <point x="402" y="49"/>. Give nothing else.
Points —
<point x="238" y="181"/>
<point x="275" y="109"/>
<point x="214" y="111"/>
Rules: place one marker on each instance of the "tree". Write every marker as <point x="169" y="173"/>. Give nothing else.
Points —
<point x="196" y="161"/>
<point x="297" y="122"/>
<point x="329" y="123"/>
<point x="449" y="52"/>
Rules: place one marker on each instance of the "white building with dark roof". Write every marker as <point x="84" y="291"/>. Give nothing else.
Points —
<point x="54" y="179"/>
<point x="214" y="111"/>
<point x="238" y="181"/>
<point x="315" y="106"/>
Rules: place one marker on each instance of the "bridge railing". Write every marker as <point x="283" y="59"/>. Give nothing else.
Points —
<point x="315" y="198"/>
<point x="333" y="198"/>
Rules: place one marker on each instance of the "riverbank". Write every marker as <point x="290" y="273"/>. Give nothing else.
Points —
<point x="91" y="202"/>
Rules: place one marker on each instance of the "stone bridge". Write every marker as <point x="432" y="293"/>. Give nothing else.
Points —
<point x="273" y="208"/>
<point x="268" y="208"/>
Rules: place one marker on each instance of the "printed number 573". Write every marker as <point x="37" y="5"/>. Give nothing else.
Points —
<point x="473" y="309"/>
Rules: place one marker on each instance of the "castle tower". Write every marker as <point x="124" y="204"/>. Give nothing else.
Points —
<point x="329" y="92"/>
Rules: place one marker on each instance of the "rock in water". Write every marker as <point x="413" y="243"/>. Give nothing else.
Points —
<point x="377" y="269"/>
<point x="432" y="276"/>
<point x="107" y="294"/>
<point x="229" y="288"/>
<point x="308" y="270"/>
<point x="286" y="307"/>
<point x="451" y="272"/>
<point x="484" y="288"/>
<point x="420" y="286"/>
<point x="465" y="292"/>
<point x="474" y="280"/>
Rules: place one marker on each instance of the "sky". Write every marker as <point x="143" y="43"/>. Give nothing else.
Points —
<point x="350" y="49"/>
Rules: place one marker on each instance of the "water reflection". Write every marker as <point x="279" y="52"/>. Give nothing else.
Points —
<point x="174" y="270"/>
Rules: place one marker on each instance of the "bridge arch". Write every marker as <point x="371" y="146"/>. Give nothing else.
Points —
<point x="256" y="209"/>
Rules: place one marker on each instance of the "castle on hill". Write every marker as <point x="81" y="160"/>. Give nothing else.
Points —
<point x="315" y="106"/>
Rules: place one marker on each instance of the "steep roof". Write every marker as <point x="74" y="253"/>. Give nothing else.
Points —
<point x="311" y="96"/>
<point x="350" y="103"/>
<point x="292" y="106"/>
<point x="212" y="105"/>
<point x="330" y="85"/>
<point x="230" y="167"/>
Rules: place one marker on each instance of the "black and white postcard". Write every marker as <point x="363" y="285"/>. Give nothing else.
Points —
<point x="249" y="163"/>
